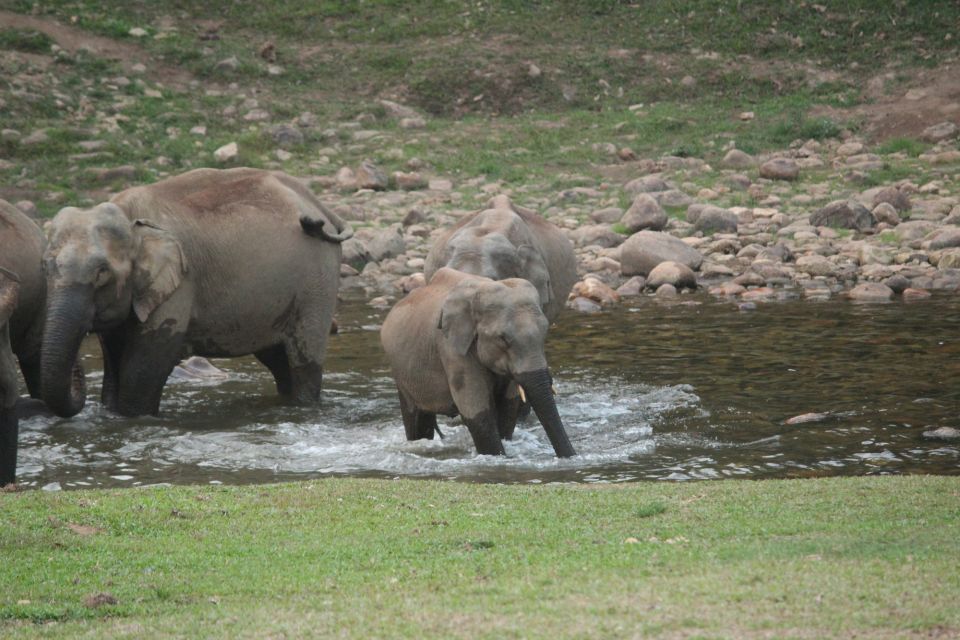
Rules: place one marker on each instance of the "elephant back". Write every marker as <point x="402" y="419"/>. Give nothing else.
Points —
<point x="21" y="252"/>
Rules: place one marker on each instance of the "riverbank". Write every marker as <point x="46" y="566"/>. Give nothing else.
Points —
<point x="804" y="151"/>
<point x="870" y="557"/>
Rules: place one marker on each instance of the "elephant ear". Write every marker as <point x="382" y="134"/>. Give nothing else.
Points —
<point x="457" y="320"/>
<point x="9" y="294"/>
<point x="159" y="267"/>
<point x="534" y="269"/>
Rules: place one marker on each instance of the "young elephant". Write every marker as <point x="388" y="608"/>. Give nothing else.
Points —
<point x="509" y="241"/>
<point x="9" y="426"/>
<point x="214" y="263"/>
<point x="461" y="344"/>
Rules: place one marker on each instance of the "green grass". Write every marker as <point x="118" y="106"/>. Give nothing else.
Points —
<point x="871" y="557"/>
<point x="25" y="40"/>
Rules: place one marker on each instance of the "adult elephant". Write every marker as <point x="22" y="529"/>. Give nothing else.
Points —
<point x="217" y="263"/>
<point x="509" y="241"/>
<point x="21" y="253"/>
<point x="461" y="345"/>
<point x="9" y="425"/>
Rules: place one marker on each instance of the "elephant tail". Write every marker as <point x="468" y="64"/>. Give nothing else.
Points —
<point x="326" y="225"/>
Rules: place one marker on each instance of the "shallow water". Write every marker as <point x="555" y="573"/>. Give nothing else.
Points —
<point x="690" y="390"/>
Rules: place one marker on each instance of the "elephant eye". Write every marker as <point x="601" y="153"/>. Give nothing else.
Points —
<point x="103" y="275"/>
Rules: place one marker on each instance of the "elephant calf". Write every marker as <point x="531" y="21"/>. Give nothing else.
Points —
<point x="462" y="344"/>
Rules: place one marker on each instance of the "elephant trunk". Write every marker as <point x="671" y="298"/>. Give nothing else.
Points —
<point x="69" y="317"/>
<point x="539" y="392"/>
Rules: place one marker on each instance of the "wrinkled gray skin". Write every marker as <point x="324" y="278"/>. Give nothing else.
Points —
<point x="213" y="263"/>
<point x="508" y="241"/>
<point x="22" y="254"/>
<point x="9" y="425"/>
<point x="461" y="344"/>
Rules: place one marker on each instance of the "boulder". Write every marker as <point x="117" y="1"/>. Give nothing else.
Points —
<point x="737" y="159"/>
<point x="716" y="220"/>
<point x="780" y="169"/>
<point x="674" y="273"/>
<point x="593" y="289"/>
<point x="370" y="176"/>
<point x="939" y="132"/>
<point x="644" y="213"/>
<point x="893" y="196"/>
<point x="646" y="184"/>
<point x="600" y="235"/>
<point x="871" y="292"/>
<point x="644" y="250"/>
<point x="844" y="214"/>
<point x="944" y="238"/>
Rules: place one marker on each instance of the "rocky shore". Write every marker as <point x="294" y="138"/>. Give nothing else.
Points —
<point x="806" y="223"/>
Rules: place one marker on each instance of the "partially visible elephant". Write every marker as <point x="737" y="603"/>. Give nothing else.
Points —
<point x="509" y="241"/>
<point x="21" y="252"/>
<point x="462" y="344"/>
<point x="217" y="263"/>
<point x="9" y="425"/>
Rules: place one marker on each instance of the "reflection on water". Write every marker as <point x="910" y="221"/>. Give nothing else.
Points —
<point x="694" y="390"/>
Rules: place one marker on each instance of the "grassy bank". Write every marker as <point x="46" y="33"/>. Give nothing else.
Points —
<point x="871" y="557"/>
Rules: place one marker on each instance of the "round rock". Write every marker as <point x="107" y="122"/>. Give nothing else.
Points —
<point x="644" y="213"/>
<point x="780" y="169"/>
<point x="674" y="273"/>
<point x="844" y="214"/>
<point x="871" y="292"/>
<point x="644" y="250"/>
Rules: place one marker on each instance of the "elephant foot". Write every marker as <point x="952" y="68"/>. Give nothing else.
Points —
<point x="9" y="428"/>
<point x="486" y="438"/>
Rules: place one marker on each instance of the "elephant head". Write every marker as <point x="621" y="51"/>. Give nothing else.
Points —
<point x="505" y="322"/>
<point x="100" y="267"/>
<point x="9" y="294"/>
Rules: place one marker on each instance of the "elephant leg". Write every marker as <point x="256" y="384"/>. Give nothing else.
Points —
<point x="305" y="353"/>
<point x="418" y="424"/>
<point x="111" y="344"/>
<point x="508" y="408"/>
<point x="275" y="359"/>
<point x="472" y="388"/>
<point x="30" y="368"/>
<point x="145" y="363"/>
<point x="9" y="431"/>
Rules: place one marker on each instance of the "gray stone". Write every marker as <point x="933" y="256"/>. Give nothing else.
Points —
<point x="893" y="196"/>
<point x="632" y="287"/>
<point x="385" y="243"/>
<point x="673" y="198"/>
<point x="124" y="172"/>
<point x="227" y="65"/>
<point x="644" y="213"/>
<point x="408" y="181"/>
<point x="644" y="250"/>
<point x="346" y="179"/>
<point x="898" y="283"/>
<point x="666" y="290"/>
<point x="679" y="275"/>
<point x="945" y="238"/>
<point x="354" y="253"/>
<point x="816" y="265"/>
<point x="646" y="184"/>
<point x="737" y="159"/>
<point x="584" y="305"/>
<point x="942" y="433"/>
<point x="257" y="115"/>
<point x="370" y="176"/>
<point x="716" y="220"/>
<point x="600" y="235"/>
<point x="941" y="131"/>
<point x="397" y="110"/>
<point x="871" y="292"/>
<point x="914" y="230"/>
<point x="844" y="214"/>
<point x="780" y="169"/>
<point x="287" y="136"/>
<point x="608" y="215"/>
<point x="227" y="152"/>
<point x="886" y="212"/>
<point x="37" y="137"/>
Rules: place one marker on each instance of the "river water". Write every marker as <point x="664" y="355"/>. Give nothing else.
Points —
<point x="695" y="389"/>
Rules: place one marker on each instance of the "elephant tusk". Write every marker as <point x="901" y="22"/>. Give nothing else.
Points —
<point x="553" y="388"/>
<point x="523" y="396"/>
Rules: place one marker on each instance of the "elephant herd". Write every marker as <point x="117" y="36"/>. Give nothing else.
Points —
<point x="225" y="263"/>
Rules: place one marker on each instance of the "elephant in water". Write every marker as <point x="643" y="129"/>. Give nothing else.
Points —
<point x="461" y="344"/>
<point x="9" y="424"/>
<point x="22" y="254"/>
<point x="509" y="241"/>
<point x="217" y="263"/>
